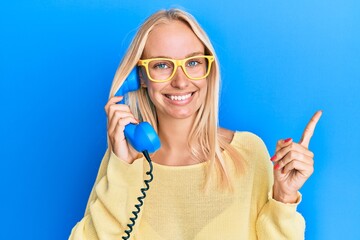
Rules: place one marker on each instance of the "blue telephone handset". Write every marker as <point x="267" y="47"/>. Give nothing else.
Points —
<point x="141" y="136"/>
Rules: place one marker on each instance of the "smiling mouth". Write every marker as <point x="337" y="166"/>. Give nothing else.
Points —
<point x="179" y="97"/>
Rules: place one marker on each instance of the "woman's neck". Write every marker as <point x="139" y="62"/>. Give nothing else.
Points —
<point x="174" y="137"/>
<point x="174" y="133"/>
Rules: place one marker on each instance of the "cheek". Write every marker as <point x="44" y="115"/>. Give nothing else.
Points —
<point x="150" y="92"/>
<point x="154" y="90"/>
<point x="203" y="86"/>
<point x="204" y="92"/>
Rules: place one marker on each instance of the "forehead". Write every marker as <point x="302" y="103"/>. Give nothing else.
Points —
<point x="173" y="39"/>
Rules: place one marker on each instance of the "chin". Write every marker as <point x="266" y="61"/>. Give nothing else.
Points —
<point x="180" y="113"/>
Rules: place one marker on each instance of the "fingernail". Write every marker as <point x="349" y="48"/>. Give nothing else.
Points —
<point x="276" y="166"/>
<point x="287" y="140"/>
<point x="273" y="158"/>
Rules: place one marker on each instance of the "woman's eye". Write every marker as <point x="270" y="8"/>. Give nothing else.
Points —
<point x="193" y="63"/>
<point x="161" y="66"/>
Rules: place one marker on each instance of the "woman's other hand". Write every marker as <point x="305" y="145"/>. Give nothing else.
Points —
<point x="293" y="164"/>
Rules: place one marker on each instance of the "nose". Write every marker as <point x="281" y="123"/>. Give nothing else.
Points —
<point x="180" y="80"/>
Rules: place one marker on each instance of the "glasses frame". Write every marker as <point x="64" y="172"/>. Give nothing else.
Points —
<point x="177" y="63"/>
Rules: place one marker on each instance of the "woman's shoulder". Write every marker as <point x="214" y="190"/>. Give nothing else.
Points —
<point x="231" y="135"/>
<point x="251" y="148"/>
<point x="250" y="145"/>
<point x="246" y="136"/>
<point x="243" y="139"/>
<point x="226" y="134"/>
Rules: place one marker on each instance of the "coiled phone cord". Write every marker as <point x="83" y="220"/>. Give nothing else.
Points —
<point x="140" y="199"/>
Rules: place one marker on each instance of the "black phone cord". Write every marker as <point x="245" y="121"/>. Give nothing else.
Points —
<point x="140" y="199"/>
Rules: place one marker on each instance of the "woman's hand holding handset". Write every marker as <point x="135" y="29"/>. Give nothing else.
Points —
<point x="293" y="164"/>
<point x="119" y="115"/>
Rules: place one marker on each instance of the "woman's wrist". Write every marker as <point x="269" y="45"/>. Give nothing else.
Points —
<point x="280" y="196"/>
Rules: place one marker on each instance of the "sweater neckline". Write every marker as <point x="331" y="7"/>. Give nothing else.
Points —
<point x="191" y="166"/>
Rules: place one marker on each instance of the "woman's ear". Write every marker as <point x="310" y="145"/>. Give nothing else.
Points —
<point x="142" y="76"/>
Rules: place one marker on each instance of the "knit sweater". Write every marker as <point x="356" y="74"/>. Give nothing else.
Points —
<point x="177" y="207"/>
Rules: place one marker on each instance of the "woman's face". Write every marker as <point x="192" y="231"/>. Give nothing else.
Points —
<point x="180" y="97"/>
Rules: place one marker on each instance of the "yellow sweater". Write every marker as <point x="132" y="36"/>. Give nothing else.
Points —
<point x="176" y="208"/>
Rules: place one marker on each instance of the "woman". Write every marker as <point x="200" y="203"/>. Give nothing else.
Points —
<point x="209" y="182"/>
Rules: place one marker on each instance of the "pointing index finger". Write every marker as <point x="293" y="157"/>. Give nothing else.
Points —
<point x="309" y="130"/>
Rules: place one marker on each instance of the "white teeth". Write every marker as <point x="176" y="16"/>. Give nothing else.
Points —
<point x="179" y="98"/>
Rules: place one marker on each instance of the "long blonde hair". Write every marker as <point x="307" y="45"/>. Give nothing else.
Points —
<point x="204" y="139"/>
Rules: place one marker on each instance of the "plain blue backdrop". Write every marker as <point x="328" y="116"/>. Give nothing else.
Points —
<point x="280" y="60"/>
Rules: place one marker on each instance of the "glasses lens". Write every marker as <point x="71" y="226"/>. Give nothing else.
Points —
<point x="160" y="69"/>
<point x="196" y="67"/>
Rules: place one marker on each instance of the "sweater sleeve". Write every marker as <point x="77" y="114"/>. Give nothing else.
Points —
<point x="112" y="200"/>
<point x="276" y="220"/>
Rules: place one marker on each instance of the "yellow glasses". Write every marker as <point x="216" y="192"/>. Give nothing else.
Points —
<point x="163" y="69"/>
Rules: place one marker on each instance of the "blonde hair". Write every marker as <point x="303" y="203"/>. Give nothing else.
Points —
<point x="204" y="139"/>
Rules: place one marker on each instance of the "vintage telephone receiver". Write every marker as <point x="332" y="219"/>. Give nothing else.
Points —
<point x="142" y="137"/>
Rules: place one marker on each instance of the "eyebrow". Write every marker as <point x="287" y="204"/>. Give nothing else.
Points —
<point x="188" y="55"/>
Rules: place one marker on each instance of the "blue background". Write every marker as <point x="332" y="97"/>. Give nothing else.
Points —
<point x="280" y="60"/>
